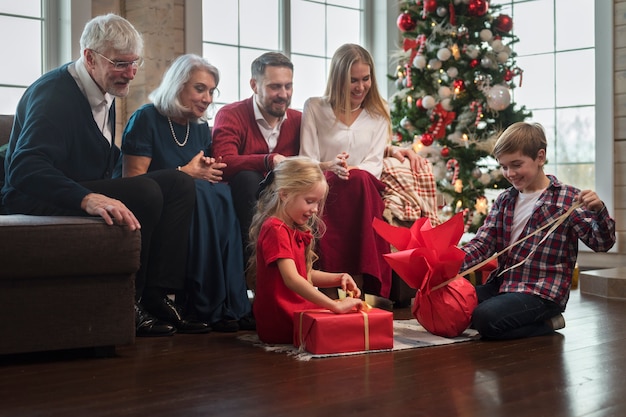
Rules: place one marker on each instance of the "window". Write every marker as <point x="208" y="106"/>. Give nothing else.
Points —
<point x="20" y="69"/>
<point x="236" y="32"/>
<point x="557" y="55"/>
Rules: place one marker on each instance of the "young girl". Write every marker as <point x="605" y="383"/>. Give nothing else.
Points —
<point x="282" y="244"/>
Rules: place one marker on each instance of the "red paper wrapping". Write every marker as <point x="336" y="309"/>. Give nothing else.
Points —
<point x="324" y="332"/>
<point x="429" y="261"/>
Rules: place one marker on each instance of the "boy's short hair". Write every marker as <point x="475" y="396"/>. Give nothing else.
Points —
<point x="527" y="138"/>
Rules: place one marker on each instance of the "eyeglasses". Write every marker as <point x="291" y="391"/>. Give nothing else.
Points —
<point x="123" y="65"/>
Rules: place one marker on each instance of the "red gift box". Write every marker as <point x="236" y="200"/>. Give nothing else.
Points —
<point x="324" y="332"/>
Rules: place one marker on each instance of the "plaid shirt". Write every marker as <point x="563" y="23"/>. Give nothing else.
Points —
<point x="547" y="272"/>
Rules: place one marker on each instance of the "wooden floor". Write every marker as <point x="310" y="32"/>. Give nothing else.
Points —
<point x="580" y="371"/>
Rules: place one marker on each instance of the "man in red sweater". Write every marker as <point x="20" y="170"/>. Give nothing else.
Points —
<point x="255" y="134"/>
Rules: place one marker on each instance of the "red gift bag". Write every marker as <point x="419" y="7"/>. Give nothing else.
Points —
<point x="429" y="261"/>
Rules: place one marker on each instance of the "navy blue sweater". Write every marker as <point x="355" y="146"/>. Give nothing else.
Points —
<point x="55" y="144"/>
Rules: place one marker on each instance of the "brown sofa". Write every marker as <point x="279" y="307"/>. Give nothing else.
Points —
<point x="65" y="282"/>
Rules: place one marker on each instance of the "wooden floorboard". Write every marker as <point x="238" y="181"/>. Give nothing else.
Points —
<point x="579" y="371"/>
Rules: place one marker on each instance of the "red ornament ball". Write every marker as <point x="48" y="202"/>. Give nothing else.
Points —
<point x="405" y="22"/>
<point x="459" y="85"/>
<point x="508" y="75"/>
<point x="473" y="63"/>
<point x="445" y="151"/>
<point x="398" y="137"/>
<point x="426" y="139"/>
<point x="503" y="23"/>
<point x="430" y="6"/>
<point x="477" y="7"/>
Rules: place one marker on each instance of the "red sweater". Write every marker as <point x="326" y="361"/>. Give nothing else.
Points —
<point x="239" y="141"/>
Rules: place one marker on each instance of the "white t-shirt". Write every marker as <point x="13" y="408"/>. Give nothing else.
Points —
<point x="524" y="207"/>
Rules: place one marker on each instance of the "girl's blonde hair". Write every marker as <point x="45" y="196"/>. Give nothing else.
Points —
<point x="339" y="82"/>
<point x="291" y="177"/>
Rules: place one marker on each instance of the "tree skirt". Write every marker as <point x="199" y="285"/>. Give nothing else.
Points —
<point x="407" y="334"/>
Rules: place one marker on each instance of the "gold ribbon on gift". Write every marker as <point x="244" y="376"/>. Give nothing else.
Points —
<point x="366" y="328"/>
<point x="553" y="224"/>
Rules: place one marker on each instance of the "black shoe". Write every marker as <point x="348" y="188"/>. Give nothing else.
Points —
<point x="225" y="326"/>
<point x="164" y="309"/>
<point x="247" y="322"/>
<point x="146" y="325"/>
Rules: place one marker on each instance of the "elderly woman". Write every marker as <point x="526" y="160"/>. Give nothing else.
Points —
<point x="172" y="133"/>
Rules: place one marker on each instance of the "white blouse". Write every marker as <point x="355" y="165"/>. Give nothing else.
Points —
<point x="323" y="136"/>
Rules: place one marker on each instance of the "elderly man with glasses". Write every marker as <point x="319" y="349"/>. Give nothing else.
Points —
<point x="62" y="156"/>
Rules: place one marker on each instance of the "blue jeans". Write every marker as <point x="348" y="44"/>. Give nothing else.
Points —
<point x="511" y="315"/>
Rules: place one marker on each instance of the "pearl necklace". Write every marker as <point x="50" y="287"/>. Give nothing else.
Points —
<point x="174" y="134"/>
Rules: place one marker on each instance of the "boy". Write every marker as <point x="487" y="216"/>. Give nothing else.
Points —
<point x="528" y="299"/>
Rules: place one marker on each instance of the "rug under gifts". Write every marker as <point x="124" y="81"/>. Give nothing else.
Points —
<point x="407" y="334"/>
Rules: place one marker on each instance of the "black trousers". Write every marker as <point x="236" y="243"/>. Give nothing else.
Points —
<point x="163" y="202"/>
<point x="244" y="187"/>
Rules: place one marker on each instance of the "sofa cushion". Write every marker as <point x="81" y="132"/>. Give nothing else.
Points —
<point x="65" y="246"/>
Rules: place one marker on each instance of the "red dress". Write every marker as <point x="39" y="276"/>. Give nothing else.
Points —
<point x="274" y="303"/>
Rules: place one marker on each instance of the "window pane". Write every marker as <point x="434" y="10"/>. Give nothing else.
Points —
<point x="575" y="78"/>
<point x="581" y="176"/>
<point x="308" y="28"/>
<point x="29" y="68"/>
<point x="10" y="98"/>
<point x="246" y="56"/>
<point x="575" y="139"/>
<point x="533" y="24"/>
<point x="344" y="26"/>
<point x="259" y="23"/>
<point x="574" y="24"/>
<point x="221" y="21"/>
<point x="309" y="79"/>
<point x="30" y="8"/>
<point x="225" y="59"/>
<point x="537" y="90"/>
<point x="546" y="119"/>
<point x="347" y="3"/>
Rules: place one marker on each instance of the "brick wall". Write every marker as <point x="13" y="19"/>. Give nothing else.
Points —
<point x="161" y="22"/>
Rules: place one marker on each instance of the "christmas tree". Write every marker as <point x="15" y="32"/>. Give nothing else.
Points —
<point x="455" y="74"/>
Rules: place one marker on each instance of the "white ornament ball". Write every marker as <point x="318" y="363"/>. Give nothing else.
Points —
<point x="486" y="35"/>
<point x="428" y="102"/>
<point x="502" y="57"/>
<point x="444" y="54"/>
<point x="497" y="45"/>
<point x="446" y="103"/>
<point x="452" y="72"/>
<point x="486" y="62"/>
<point x="485" y="179"/>
<point x="444" y="92"/>
<point x="472" y="51"/>
<point x="419" y="61"/>
<point x="406" y="124"/>
<point x="434" y="64"/>
<point x="498" y="97"/>
<point x="477" y="173"/>
<point x="442" y="11"/>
